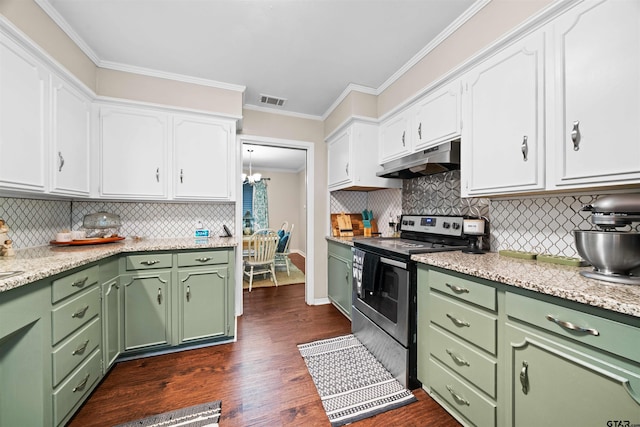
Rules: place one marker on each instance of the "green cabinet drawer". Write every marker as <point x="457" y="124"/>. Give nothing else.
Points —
<point x="464" y="360"/>
<point x="74" y="350"/>
<point x="192" y="259"/>
<point x="69" y="394"/>
<point x="464" y="321"/>
<point x="72" y="283"/>
<point x="340" y="250"/>
<point x="148" y="262"/>
<point x="467" y="290"/>
<point x="69" y="316"/>
<point x="462" y="398"/>
<point x="616" y="338"/>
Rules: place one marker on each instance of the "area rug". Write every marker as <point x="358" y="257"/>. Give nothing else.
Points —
<point x="351" y="383"/>
<point x="206" y="414"/>
<point x="264" y="281"/>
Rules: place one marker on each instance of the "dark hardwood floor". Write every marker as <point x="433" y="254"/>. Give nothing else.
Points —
<point x="261" y="379"/>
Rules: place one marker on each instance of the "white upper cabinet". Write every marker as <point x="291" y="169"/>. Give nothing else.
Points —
<point x="437" y="116"/>
<point x="204" y="158"/>
<point x="352" y="159"/>
<point x="597" y="94"/>
<point x="503" y="134"/>
<point x="133" y="153"/>
<point x="70" y="137"/>
<point x="396" y="136"/>
<point x="23" y="119"/>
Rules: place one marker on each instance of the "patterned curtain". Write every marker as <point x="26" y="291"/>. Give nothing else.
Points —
<point x="260" y="205"/>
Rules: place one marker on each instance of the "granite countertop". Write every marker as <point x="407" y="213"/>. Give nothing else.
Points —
<point x="344" y="240"/>
<point x="44" y="261"/>
<point x="551" y="279"/>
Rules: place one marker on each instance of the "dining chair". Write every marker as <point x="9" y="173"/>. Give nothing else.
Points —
<point x="261" y="254"/>
<point x="282" y="253"/>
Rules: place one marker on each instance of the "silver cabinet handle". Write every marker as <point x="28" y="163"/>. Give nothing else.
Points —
<point x="82" y="384"/>
<point x="457" y="321"/>
<point x="575" y="135"/>
<point x="457" y="397"/>
<point x="571" y="326"/>
<point x="150" y="262"/>
<point x="80" y="283"/>
<point x="80" y="313"/>
<point x="157" y="174"/>
<point x="420" y="131"/>
<point x="346" y="169"/>
<point x="203" y="259"/>
<point x="524" y="377"/>
<point x="525" y="148"/>
<point x="403" y="134"/>
<point x="60" y="161"/>
<point x="80" y="349"/>
<point x="457" y="289"/>
<point x="159" y="296"/>
<point x="181" y="175"/>
<point x="188" y="293"/>
<point x="459" y="360"/>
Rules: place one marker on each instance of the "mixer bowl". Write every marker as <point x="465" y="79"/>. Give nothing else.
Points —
<point x="610" y="252"/>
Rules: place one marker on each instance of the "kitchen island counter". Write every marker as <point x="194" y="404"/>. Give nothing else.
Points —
<point x="546" y="278"/>
<point x="45" y="261"/>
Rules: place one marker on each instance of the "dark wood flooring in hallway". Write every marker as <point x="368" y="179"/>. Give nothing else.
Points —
<point x="261" y="379"/>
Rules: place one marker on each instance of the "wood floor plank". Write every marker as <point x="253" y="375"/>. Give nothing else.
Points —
<point x="261" y="379"/>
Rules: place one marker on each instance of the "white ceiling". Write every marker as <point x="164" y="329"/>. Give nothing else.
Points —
<point x="277" y="159"/>
<point x="307" y="51"/>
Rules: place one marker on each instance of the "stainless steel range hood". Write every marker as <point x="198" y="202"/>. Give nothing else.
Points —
<point x="441" y="158"/>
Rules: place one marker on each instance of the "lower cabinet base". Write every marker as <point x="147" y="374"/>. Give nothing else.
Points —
<point x="139" y="354"/>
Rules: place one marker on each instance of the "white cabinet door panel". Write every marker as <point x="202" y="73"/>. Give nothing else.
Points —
<point x="437" y="117"/>
<point x="339" y="154"/>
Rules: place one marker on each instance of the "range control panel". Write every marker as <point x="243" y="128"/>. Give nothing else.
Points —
<point x="430" y="224"/>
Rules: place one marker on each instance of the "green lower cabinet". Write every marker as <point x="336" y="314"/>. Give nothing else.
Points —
<point x="146" y="309"/>
<point x="555" y="385"/>
<point x="112" y="299"/>
<point x="203" y="303"/>
<point x="340" y="273"/>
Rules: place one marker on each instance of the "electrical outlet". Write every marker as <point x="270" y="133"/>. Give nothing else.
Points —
<point x="199" y="224"/>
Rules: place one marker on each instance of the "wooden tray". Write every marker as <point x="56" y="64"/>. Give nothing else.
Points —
<point x="97" y="241"/>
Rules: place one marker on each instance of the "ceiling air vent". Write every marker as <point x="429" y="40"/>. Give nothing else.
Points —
<point x="272" y="100"/>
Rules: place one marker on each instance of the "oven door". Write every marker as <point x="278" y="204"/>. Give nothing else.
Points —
<point x="382" y="294"/>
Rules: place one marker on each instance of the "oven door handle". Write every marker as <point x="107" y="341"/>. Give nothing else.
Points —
<point x="402" y="265"/>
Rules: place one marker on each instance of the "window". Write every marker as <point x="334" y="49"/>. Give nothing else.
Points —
<point x="247" y="198"/>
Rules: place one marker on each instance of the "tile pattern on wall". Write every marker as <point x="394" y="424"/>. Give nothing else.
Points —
<point x="347" y="201"/>
<point x="385" y="204"/>
<point x="34" y="222"/>
<point x="160" y="220"/>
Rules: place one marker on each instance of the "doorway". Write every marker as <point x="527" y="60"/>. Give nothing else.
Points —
<point x="269" y="162"/>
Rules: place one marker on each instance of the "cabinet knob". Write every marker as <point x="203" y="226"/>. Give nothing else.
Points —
<point x="188" y="293"/>
<point x="403" y="134"/>
<point x="420" y="131"/>
<point x="159" y="296"/>
<point x="157" y="174"/>
<point x="524" y="377"/>
<point x="525" y="148"/>
<point x="575" y="135"/>
<point x="181" y="175"/>
<point x="60" y="161"/>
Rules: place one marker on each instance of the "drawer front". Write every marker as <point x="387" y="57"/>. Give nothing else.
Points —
<point x="460" y="397"/>
<point x="74" y="350"/>
<point x="463" y="360"/>
<point x="341" y="250"/>
<point x="467" y="290"/>
<point x="605" y="334"/>
<point x="148" y="262"/>
<point x="191" y="259"/>
<point x="70" y="316"/>
<point x="76" y="387"/>
<point x="464" y="321"/>
<point x="69" y="285"/>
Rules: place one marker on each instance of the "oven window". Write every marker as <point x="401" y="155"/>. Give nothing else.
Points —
<point x="384" y="299"/>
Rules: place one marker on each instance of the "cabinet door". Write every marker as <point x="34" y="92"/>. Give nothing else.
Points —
<point x="339" y="155"/>
<point x="69" y="154"/>
<point x="597" y="48"/>
<point x="203" y="303"/>
<point x="146" y="310"/>
<point x="396" y="136"/>
<point x="437" y="116"/>
<point x="204" y="159"/>
<point x="573" y="388"/>
<point x="111" y="321"/>
<point x="23" y="119"/>
<point x="133" y="153"/>
<point x="503" y="130"/>
<point x="340" y="274"/>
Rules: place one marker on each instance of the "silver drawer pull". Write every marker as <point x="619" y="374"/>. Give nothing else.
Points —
<point x="188" y="293"/>
<point x="457" y="397"/>
<point x="203" y="259"/>
<point x="572" y="327"/>
<point x="159" y="296"/>
<point x="80" y="349"/>
<point x="150" y="262"/>
<point x="82" y="384"/>
<point x="457" y="289"/>
<point x="524" y="377"/>
<point x="80" y="283"/>
<point x="80" y="313"/>
<point x="457" y="321"/>
<point x="459" y="360"/>
<point x="575" y="135"/>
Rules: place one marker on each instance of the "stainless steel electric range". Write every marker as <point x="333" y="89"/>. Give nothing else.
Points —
<point x="384" y="288"/>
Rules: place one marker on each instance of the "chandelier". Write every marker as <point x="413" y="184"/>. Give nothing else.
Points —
<point x="252" y="178"/>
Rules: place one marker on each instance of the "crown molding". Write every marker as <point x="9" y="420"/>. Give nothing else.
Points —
<point x="350" y="88"/>
<point x="259" y="108"/>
